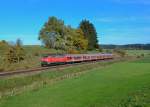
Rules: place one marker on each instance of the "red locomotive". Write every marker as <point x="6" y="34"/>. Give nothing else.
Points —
<point x="73" y="58"/>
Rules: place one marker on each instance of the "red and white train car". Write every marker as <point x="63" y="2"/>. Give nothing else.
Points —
<point x="73" y="58"/>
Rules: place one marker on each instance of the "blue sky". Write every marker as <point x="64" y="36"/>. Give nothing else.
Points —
<point x="116" y="21"/>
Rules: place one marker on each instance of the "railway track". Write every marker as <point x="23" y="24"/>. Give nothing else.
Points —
<point x="35" y="70"/>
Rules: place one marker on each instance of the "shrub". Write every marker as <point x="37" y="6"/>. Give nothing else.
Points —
<point x="15" y="54"/>
<point x="73" y="51"/>
<point x="1" y="69"/>
<point x="120" y="52"/>
<point x="138" y="56"/>
<point x="36" y="54"/>
<point x="142" y="55"/>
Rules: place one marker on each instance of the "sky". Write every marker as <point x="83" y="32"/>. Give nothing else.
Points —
<point x="116" y="21"/>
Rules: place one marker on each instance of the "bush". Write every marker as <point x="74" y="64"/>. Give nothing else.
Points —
<point x="36" y="54"/>
<point x="142" y="55"/>
<point x="15" y="54"/>
<point x="120" y="52"/>
<point x="1" y="69"/>
<point x="138" y="56"/>
<point x="73" y="51"/>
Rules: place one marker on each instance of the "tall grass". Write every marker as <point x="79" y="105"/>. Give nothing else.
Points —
<point x="9" y="84"/>
<point x="140" y="98"/>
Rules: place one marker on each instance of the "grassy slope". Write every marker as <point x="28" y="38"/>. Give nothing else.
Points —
<point x="99" y="88"/>
<point x="8" y="84"/>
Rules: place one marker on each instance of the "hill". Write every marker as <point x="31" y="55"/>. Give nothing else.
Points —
<point x="128" y="46"/>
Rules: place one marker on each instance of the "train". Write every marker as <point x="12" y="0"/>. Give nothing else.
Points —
<point x="59" y="59"/>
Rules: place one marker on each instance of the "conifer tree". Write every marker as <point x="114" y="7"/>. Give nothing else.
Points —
<point x="89" y="33"/>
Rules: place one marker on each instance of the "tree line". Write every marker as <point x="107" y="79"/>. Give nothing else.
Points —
<point x="128" y="46"/>
<point x="56" y="35"/>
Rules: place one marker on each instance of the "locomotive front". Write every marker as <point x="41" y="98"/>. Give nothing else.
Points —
<point x="53" y="59"/>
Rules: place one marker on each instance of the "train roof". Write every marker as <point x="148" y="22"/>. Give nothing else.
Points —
<point x="53" y="55"/>
<point x="72" y="55"/>
<point x="88" y="54"/>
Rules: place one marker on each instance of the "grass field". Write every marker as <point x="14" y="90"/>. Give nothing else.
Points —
<point x="138" y="52"/>
<point x="13" y="83"/>
<point x="124" y="84"/>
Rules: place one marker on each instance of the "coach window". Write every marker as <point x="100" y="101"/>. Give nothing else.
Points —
<point x="78" y="57"/>
<point x="69" y="57"/>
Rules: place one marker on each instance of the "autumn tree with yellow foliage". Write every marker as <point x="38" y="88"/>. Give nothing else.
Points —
<point x="56" y="35"/>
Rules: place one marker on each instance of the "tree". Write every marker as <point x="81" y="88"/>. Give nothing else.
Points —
<point x="19" y="43"/>
<point x="19" y="51"/>
<point x="75" y="40"/>
<point x="80" y="41"/>
<point x="89" y="33"/>
<point x="53" y="33"/>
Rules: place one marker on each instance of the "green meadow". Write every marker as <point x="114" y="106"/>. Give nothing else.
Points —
<point x="138" y="52"/>
<point x="122" y="84"/>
